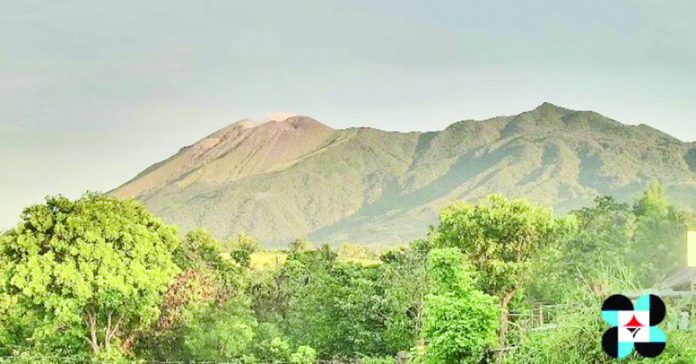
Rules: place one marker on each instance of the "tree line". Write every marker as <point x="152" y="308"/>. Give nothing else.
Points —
<point x="100" y="279"/>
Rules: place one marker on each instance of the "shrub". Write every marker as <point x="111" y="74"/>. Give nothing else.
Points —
<point x="459" y="321"/>
<point x="304" y="355"/>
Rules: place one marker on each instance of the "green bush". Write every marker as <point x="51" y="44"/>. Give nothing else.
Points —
<point x="459" y="322"/>
<point x="304" y="355"/>
<point x="219" y="332"/>
<point x="270" y="345"/>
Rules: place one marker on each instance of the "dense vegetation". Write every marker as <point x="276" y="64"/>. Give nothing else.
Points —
<point x="103" y="279"/>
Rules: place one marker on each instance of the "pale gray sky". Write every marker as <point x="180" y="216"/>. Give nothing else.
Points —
<point x="92" y="92"/>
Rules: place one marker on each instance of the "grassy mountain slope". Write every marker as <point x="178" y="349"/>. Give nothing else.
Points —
<point x="298" y="178"/>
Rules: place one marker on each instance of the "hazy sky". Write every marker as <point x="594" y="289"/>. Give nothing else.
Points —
<point x="92" y="92"/>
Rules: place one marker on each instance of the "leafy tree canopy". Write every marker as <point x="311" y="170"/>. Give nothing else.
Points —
<point x="501" y="236"/>
<point x="96" y="265"/>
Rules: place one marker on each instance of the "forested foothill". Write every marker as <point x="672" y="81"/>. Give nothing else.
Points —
<point x="499" y="280"/>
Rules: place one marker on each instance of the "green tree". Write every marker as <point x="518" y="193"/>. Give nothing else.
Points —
<point x="270" y="345"/>
<point x="659" y="246"/>
<point x="646" y="241"/>
<point x="219" y="332"/>
<point x="201" y="252"/>
<point x="300" y="245"/>
<point x="16" y="325"/>
<point x="602" y="241"/>
<point x="275" y="292"/>
<point x="403" y="281"/>
<point x="339" y="311"/>
<point x="617" y="248"/>
<point x="304" y="355"/>
<point x="95" y="266"/>
<point x="242" y="248"/>
<point x="345" y="309"/>
<point x="502" y="238"/>
<point x="209" y="280"/>
<point x="460" y="321"/>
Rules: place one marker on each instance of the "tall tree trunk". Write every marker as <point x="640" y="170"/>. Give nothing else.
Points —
<point x="107" y="332"/>
<point x="503" y="331"/>
<point x="111" y="329"/>
<point x="93" y="340"/>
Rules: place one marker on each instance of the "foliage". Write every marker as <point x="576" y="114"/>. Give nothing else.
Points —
<point x="502" y="238"/>
<point x="575" y="339"/>
<point x="94" y="269"/>
<point x="439" y="298"/>
<point x="660" y="230"/>
<point x="377" y="360"/>
<point x="202" y="252"/>
<point x="618" y="248"/>
<point x="16" y="324"/>
<point x="680" y="348"/>
<point x="403" y="280"/>
<point x="357" y="253"/>
<point x="219" y="332"/>
<point x="242" y="248"/>
<point x="267" y="259"/>
<point x="303" y="355"/>
<point x="197" y="250"/>
<point x="165" y="341"/>
<point x="648" y="240"/>
<point x="460" y="321"/>
<point x="275" y="291"/>
<point x="270" y="345"/>
<point x="578" y="326"/>
<point x="300" y="245"/>
<point x="603" y="237"/>
<point x="210" y="281"/>
<point x="339" y="311"/>
<point x="344" y="309"/>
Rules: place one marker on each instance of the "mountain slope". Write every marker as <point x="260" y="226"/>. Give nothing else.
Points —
<point x="299" y="178"/>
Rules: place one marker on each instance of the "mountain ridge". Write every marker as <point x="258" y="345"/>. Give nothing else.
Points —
<point x="297" y="178"/>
